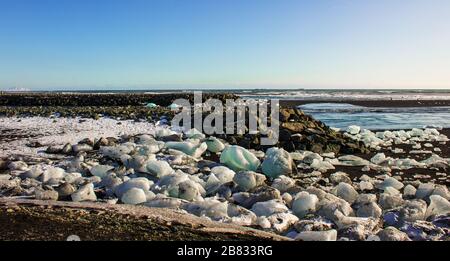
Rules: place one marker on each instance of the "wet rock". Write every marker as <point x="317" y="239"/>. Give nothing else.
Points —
<point x="278" y="162"/>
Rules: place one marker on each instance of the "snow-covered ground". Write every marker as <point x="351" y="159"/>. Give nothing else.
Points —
<point x="59" y="131"/>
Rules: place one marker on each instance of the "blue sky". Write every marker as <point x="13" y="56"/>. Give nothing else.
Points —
<point x="105" y="44"/>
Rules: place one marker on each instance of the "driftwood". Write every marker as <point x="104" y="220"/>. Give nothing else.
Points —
<point x="25" y="219"/>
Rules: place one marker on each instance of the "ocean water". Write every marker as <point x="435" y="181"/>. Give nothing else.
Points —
<point x="343" y="115"/>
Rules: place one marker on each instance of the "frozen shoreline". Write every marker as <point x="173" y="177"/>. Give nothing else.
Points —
<point x="59" y="131"/>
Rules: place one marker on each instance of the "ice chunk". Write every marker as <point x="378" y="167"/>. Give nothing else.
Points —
<point x="346" y="192"/>
<point x="424" y="190"/>
<point x="211" y="208"/>
<point x="378" y="158"/>
<point x="390" y="182"/>
<point x="188" y="190"/>
<point x="330" y="235"/>
<point x="283" y="183"/>
<point x="151" y="105"/>
<point x="438" y="206"/>
<point x="134" y="196"/>
<point x="194" y="134"/>
<point x="267" y="208"/>
<point x="52" y="173"/>
<point x="34" y="172"/>
<point x="245" y="180"/>
<point x="278" y="162"/>
<point x="100" y="170"/>
<point x="142" y="183"/>
<point x="224" y="174"/>
<point x="84" y="193"/>
<point x="409" y="191"/>
<point x="353" y="129"/>
<point x="214" y="145"/>
<point x="189" y="148"/>
<point x="238" y="158"/>
<point x="159" y="168"/>
<point x="304" y="203"/>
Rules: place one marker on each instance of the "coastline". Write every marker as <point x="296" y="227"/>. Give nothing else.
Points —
<point x="320" y="162"/>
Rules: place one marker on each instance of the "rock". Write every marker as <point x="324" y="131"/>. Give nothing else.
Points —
<point x="159" y="168"/>
<point x="438" y="206"/>
<point x="346" y="192"/>
<point x="392" y="234"/>
<point x="278" y="162"/>
<point x="141" y="183"/>
<point x="101" y="170"/>
<point x="134" y="196"/>
<point x="304" y="203"/>
<point x="18" y="165"/>
<point x="267" y="208"/>
<point x="330" y="235"/>
<point x="283" y="183"/>
<point x="369" y="209"/>
<point x="238" y="158"/>
<point x="46" y="194"/>
<point x="84" y="193"/>
<point x="214" y="145"/>
<point x="390" y="182"/>
<point x="424" y="190"/>
<point x="66" y="149"/>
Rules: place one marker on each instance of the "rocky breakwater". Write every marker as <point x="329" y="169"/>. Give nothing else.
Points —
<point x="299" y="131"/>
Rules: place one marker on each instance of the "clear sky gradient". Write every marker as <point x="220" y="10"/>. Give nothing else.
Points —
<point x="107" y="44"/>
